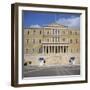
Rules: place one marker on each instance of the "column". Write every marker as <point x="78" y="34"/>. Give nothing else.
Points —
<point x="50" y="49"/>
<point x="54" y="49"/>
<point x="67" y="49"/>
<point x="57" y="49"/>
<point x="61" y="49"/>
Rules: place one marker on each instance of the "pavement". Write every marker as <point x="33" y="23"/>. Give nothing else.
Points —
<point x="61" y="70"/>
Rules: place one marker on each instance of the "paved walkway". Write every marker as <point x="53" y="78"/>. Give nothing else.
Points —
<point x="52" y="71"/>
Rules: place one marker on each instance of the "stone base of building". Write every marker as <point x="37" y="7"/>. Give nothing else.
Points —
<point x="51" y="59"/>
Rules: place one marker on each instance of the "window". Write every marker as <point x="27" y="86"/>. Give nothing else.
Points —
<point x="53" y="31"/>
<point x="76" y="40"/>
<point x="75" y="33"/>
<point x="34" y="31"/>
<point x="70" y="32"/>
<point x="77" y="50"/>
<point x="47" y="32"/>
<point x="55" y="39"/>
<point x="26" y="50"/>
<point x="63" y="32"/>
<point x="39" y="41"/>
<point x="70" y="40"/>
<point x="63" y="39"/>
<point x="40" y="50"/>
<point x="28" y="32"/>
<point x="40" y="32"/>
<point x="33" y="50"/>
<point x="47" y="40"/>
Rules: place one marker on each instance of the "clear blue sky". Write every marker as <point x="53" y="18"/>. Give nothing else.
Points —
<point x="32" y="18"/>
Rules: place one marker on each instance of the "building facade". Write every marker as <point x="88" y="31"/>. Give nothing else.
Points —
<point x="53" y="44"/>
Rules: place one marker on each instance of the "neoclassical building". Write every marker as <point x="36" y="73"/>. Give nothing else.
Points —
<point x="53" y="44"/>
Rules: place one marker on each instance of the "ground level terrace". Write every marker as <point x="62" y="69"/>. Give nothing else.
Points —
<point x="52" y="59"/>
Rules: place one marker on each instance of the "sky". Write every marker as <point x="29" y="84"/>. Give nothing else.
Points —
<point x="40" y="19"/>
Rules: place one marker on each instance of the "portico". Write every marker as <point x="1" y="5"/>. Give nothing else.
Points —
<point x="57" y="48"/>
